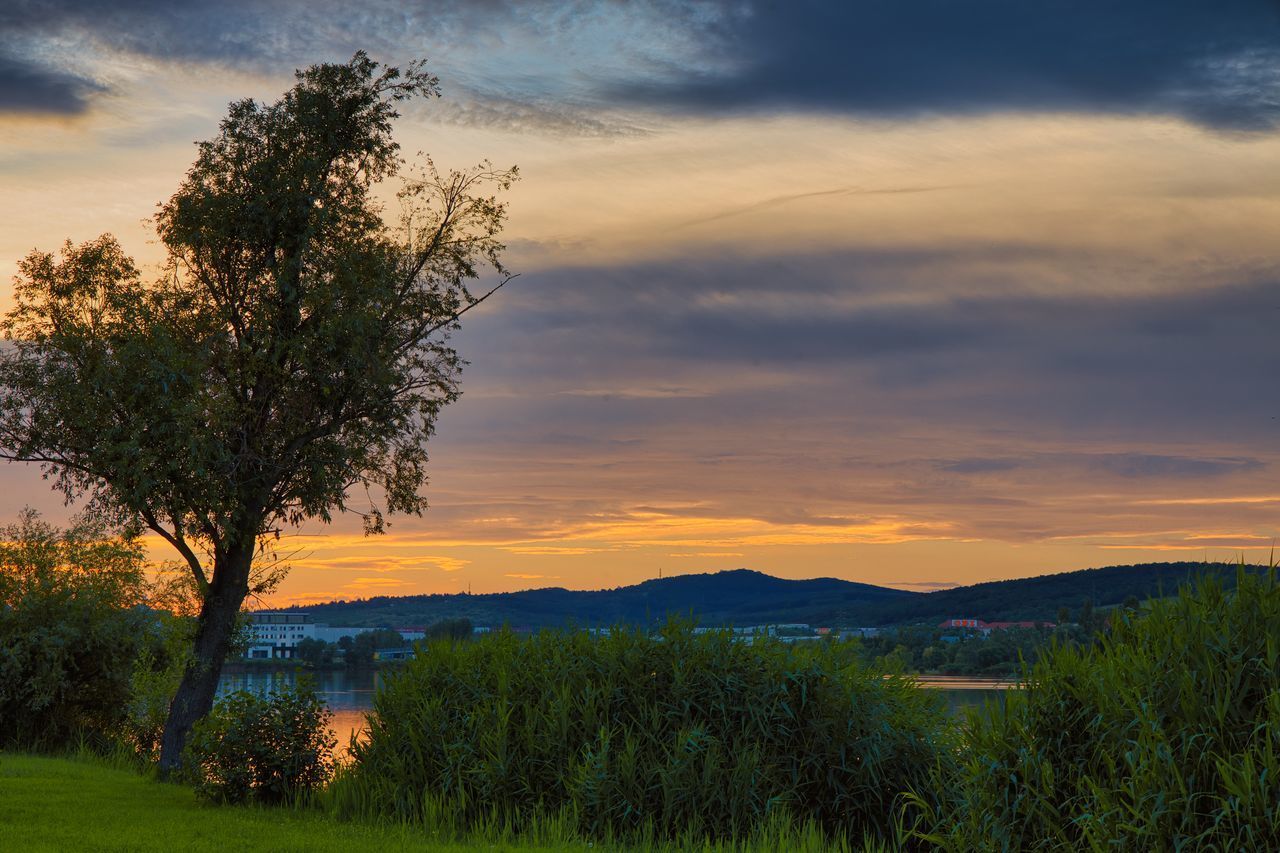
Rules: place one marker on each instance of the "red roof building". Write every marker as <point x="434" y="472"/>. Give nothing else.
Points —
<point x="985" y="627"/>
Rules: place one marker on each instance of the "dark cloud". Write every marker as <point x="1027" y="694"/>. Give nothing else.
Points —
<point x="837" y="335"/>
<point x="233" y="31"/>
<point x="1126" y="465"/>
<point x="503" y="62"/>
<point x="1216" y="63"/>
<point x="27" y="87"/>
<point x="980" y="466"/>
<point x="1156" y="465"/>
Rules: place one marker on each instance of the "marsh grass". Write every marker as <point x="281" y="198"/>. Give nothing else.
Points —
<point x="1163" y="736"/>
<point x="682" y="738"/>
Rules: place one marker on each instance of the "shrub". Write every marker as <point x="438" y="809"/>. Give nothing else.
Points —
<point x="70" y="631"/>
<point x="272" y="748"/>
<point x="682" y="734"/>
<point x="1165" y="735"/>
<point x="157" y="670"/>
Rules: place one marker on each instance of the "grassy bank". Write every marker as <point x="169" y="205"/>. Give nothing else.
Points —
<point x="60" y="804"/>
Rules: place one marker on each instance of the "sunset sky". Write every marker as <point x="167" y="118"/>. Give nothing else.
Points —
<point x="908" y="292"/>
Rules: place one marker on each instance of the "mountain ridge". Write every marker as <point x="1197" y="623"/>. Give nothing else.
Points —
<point x="745" y="597"/>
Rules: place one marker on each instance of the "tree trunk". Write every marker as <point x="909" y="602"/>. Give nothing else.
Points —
<point x="215" y="631"/>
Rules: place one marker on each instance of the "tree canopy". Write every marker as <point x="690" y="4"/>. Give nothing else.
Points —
<point x="293" y="353"/>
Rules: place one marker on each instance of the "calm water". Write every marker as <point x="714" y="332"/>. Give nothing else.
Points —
<point x="963" y="692"/>
<point x="350" y="694"/>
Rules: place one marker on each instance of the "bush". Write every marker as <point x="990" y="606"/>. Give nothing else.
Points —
<point x="272" y="748"/>
<point x="157" y="670"/>
<point x="71" y="627"/>
<point x="1166" y="735"/>
<point x="682" y="734"/>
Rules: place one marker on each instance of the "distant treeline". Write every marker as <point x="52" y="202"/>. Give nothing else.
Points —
<point x="361" y="649"/>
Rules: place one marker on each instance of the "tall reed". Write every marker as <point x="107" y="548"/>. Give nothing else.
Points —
<point x="680" y="735"/>
<point x="1165" y="736"/>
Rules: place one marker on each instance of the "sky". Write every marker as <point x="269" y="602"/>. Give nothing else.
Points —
<point x="908" y="292"/>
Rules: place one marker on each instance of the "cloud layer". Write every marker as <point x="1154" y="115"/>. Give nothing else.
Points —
<point x="1213" y="64"/>
<point x="30" y="87"/>
<point x="1217" y="64"/>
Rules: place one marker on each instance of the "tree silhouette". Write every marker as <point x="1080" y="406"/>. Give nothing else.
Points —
<point x="294" y="352"/>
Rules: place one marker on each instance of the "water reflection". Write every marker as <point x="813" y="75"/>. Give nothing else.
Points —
<point x="348" y="693"/>
<point x="963" y="692"/>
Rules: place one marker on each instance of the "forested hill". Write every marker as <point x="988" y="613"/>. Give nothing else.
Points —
<point x="1041" y="598"/>
<point x="744" y="597"/>
<point x="739" y="597"/>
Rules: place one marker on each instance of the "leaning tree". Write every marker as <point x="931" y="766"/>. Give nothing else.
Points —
<point x="294" y="351"/>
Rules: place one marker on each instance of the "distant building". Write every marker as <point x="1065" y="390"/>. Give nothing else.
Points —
<point x="276" y="635"/>
<point x="776" y="629"/>
<point x="987" y="627"/>
<point x="972" y="624"/>
<point x="334" y="633"/>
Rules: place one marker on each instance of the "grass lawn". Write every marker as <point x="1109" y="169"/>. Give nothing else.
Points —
<point x="58" y="804"/>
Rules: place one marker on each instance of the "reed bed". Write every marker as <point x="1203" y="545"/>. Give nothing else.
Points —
<point x="1164" y="736"/>
<point x="682" y="738"/>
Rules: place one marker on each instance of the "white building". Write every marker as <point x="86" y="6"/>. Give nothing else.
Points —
<point x="334" y="633"/>
<point x="276" y="635"/>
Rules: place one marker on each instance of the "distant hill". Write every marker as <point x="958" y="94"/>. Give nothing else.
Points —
<point x="1039" y="598"/>
<point x="744" y="597"/>
<point x="739" y="597"/>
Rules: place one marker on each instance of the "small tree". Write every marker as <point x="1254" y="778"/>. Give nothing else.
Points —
<point x="314" y="652"/>
<point x="70" y="630"/>
<point x="296" y="348"/>
<point x="273" y="749"/>
<point x="451" y="629"/>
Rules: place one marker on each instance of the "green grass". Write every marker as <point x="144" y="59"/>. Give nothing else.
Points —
<point x="59" y="804"/>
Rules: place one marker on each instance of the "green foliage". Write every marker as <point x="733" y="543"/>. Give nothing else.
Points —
<point x="70" y="630"/>
<point x="363" y="645"/>
<point x="314" y="652"/>
<point x="271" y="749"/>
<point x="284" y="288"/>
<point x="678" y="734"/>
<point x="999" y="654"/>
<point x="1164" y="735"/>
<point x="295" y="351"/>
<point x="451" y="629"/>
<point x="157" y="671"/>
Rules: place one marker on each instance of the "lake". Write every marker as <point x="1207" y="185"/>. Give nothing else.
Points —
<point x="962" y="692"/>
<point x="349" y="694"/>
